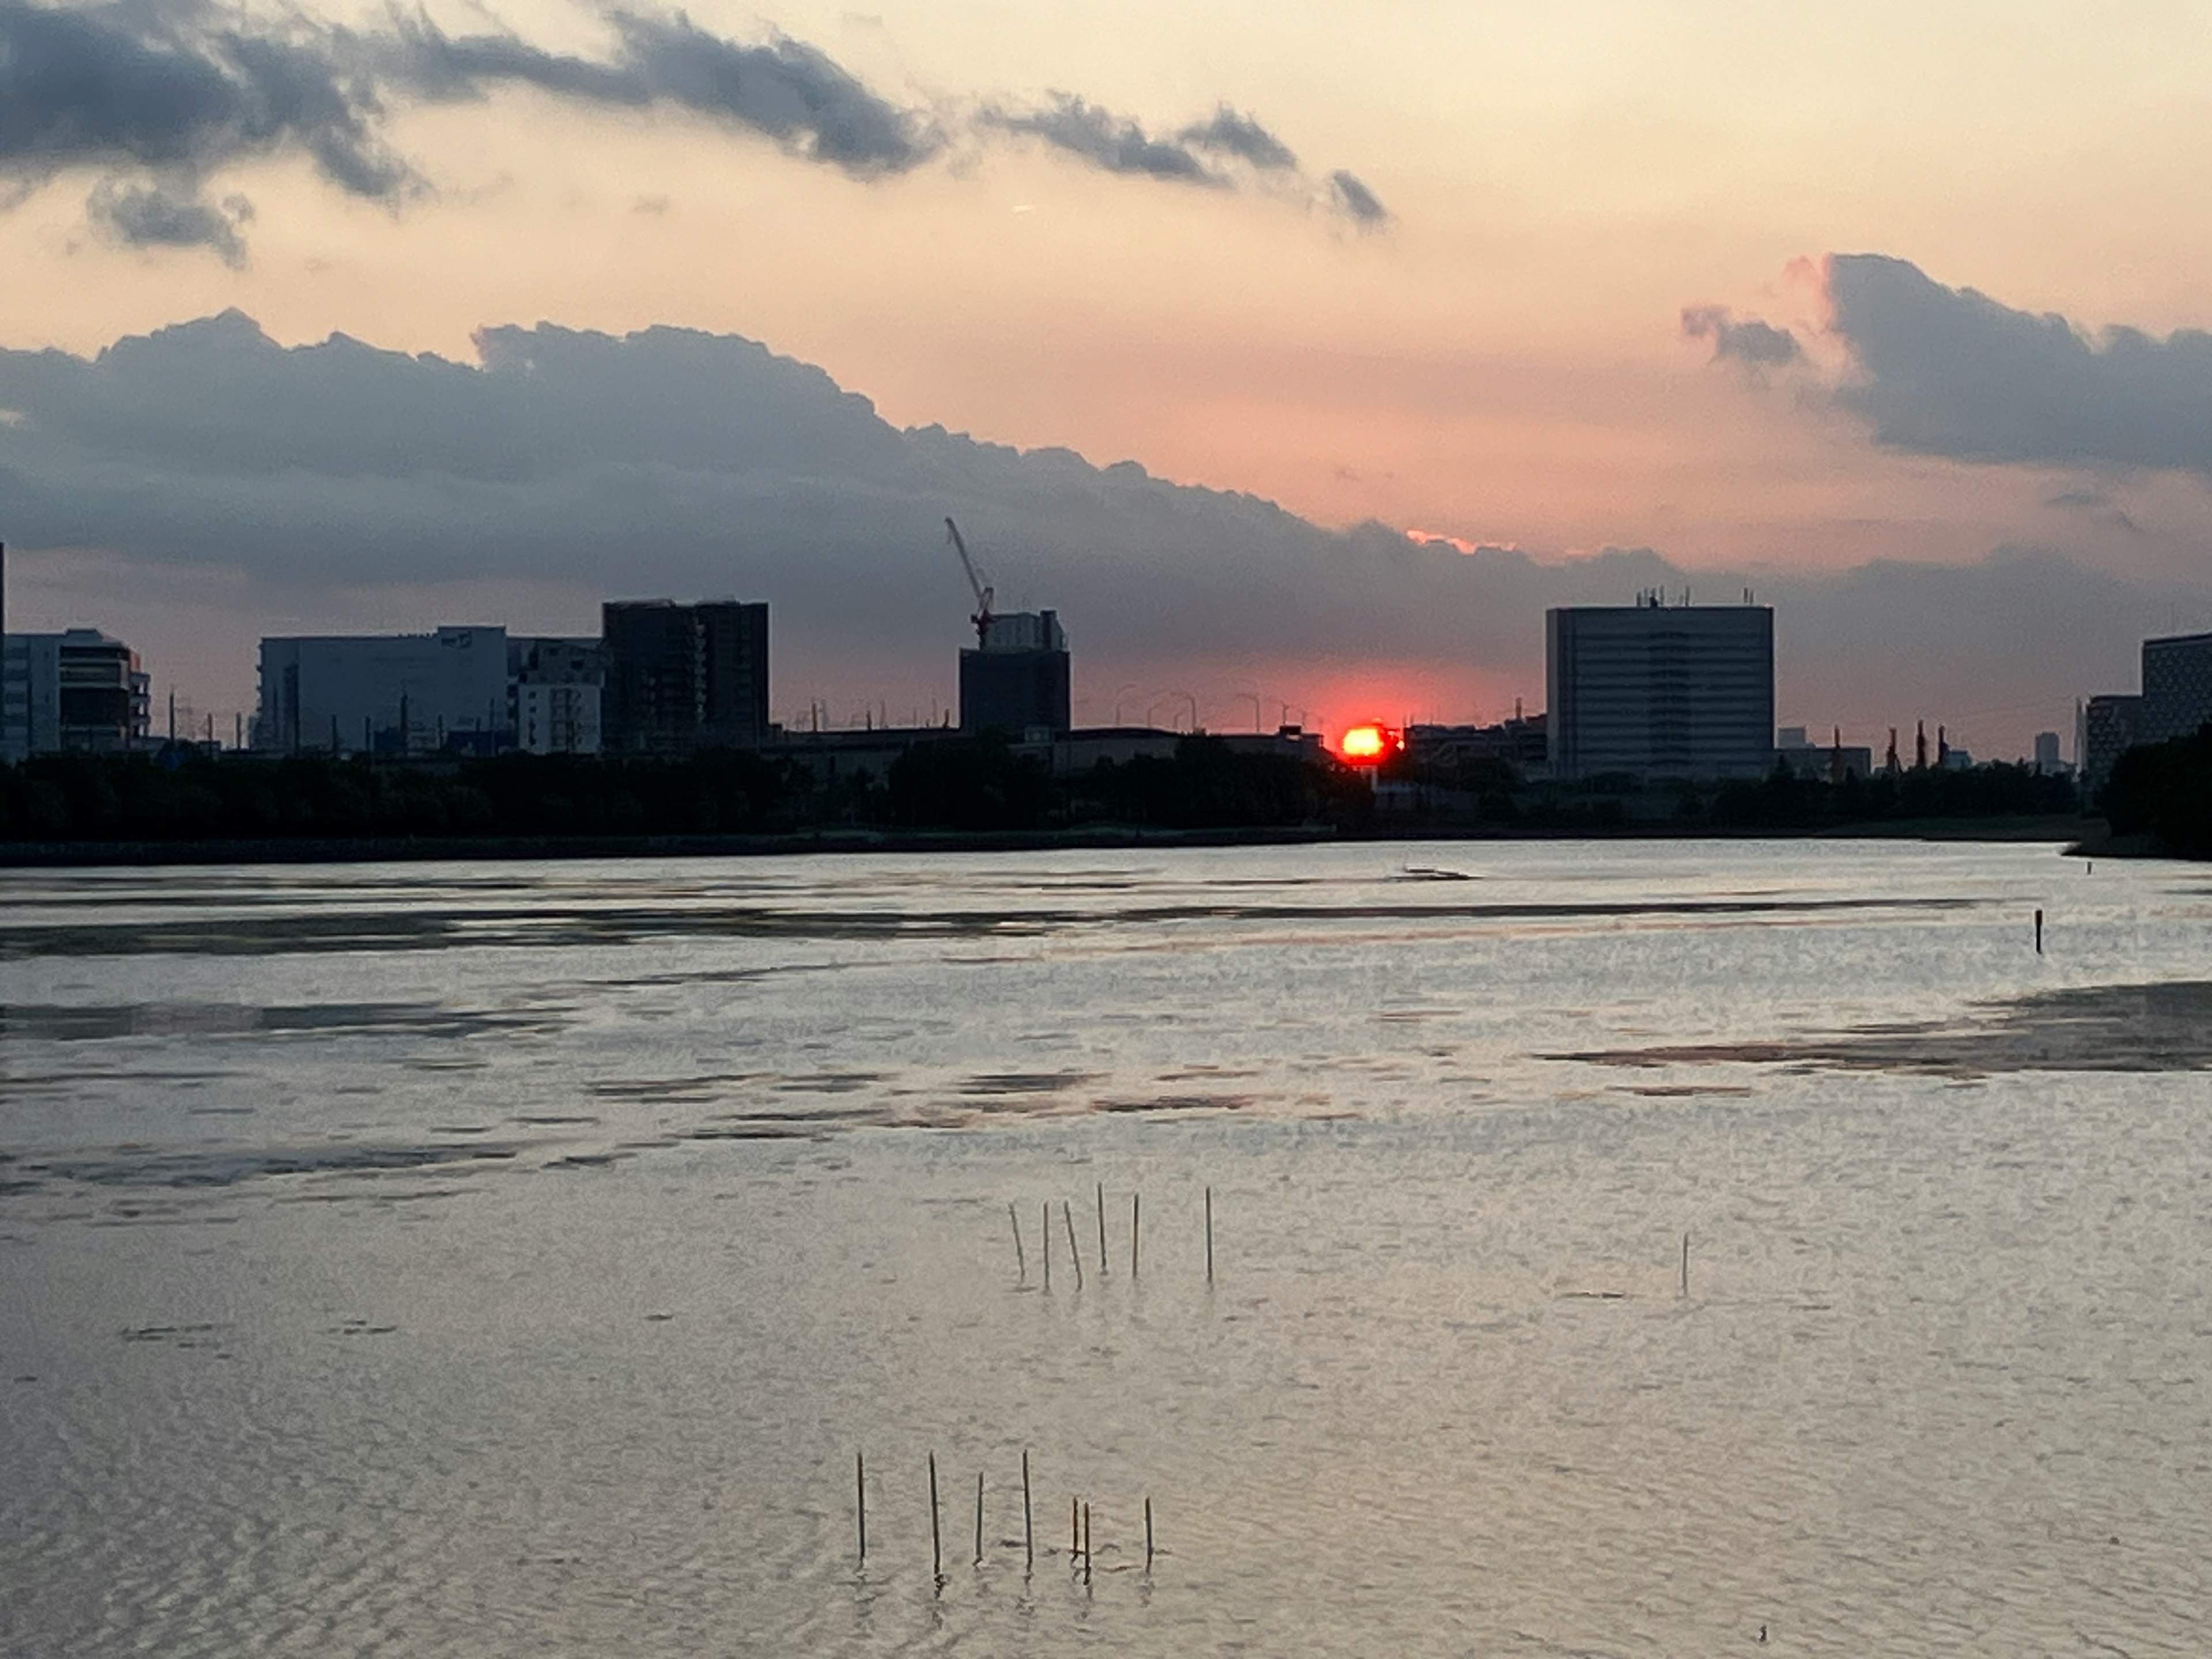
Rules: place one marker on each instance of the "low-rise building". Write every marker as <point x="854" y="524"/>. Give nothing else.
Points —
<point x="386" y="694"/>
<point x="76" y="692"/>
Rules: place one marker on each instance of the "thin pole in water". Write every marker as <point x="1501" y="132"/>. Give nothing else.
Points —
<point x="1047" y="1225"/>
<point x="1067" y="1215"/>
<point x="1102" y="1230"/>
<point x="860" y="1499"/>
<point x="1029" y="1534"/>
<point x="1086" y="1543"/>
<point x="1136" y="1214"/>
<point x="1148" y="1534"/>
<point x="1209" y="1235"/>
<point x="1021" y="1261"/>
<point x="1685" y="1264"/>
<point x="936" y="1542"/>
<point x="979" y="1517"/>
<point x="2038" y="933"/>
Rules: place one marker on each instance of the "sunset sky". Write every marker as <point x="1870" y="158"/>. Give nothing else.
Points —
<point x="1547" y="279"/>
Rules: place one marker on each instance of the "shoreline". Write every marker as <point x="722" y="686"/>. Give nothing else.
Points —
<point x="83" y="854"/>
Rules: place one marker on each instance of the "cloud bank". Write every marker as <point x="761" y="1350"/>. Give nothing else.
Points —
<point x="1950" y="371"/>
<point x="674" y="462"/>
<point x="155" y="97"/>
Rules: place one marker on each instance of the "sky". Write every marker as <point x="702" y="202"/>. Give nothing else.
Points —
<point x="1298" y="353"/>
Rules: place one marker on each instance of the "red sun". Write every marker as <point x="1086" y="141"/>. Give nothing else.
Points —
<point x="1368" y="745"/>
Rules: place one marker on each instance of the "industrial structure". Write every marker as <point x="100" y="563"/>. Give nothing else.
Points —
<point x="684" y="678"/>
<point x="1659" y="692"/>
<point x="1017" y="678"/>
<point x="384" y="694"/>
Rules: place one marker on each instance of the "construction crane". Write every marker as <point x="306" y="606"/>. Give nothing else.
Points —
<point x="983" y="593"/>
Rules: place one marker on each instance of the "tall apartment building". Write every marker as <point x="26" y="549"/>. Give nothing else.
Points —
<point x="75" y="692"/>
<point x="397" y="694"/>
<point x="1018" y="681"/>
<point x="683" y="677"/>
<point x="1654" y="691"/>
<point x="2107" y="726"/>
<point x="2176" y="687"/>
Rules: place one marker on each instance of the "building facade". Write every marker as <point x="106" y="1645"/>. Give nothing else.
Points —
<point x="2106" y="729"/>
<point x="1652" y="692"/>
<point x="684" y="678"/>
<point x="556" y="686"/>
<point x="384" y="694"/>
<point x="75" y="692"/>
<point x="1018" y="681"/>
<point x="2176" y="687"/>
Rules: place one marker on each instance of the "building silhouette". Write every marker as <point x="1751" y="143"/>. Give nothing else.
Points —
<point x="1653" y="691"/>
<point x="1016" y="681"/>
<point x="2176" y="687"/>
<point x="684" y="678"/>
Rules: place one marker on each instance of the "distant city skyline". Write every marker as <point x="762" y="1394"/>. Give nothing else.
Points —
<point x="1614" y="296"/>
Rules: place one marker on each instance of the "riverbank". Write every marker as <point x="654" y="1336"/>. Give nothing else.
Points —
<point x="49" y="854"/>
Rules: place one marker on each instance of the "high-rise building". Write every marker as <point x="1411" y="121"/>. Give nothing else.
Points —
<point x="2106" y="728"/>
<point x="1654" y="691"/>
<point x="2046" y="752"/>
<point x="393" y="694"/>
<point x="683" y="677"/>
<point x="75" y="692"/>
<point x="1018" y="681"/>
<point x="2176" y="687"/>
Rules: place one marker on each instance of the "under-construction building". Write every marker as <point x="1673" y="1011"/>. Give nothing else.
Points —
<point x="683" y="677"/>
<point x="1016" y="680"/>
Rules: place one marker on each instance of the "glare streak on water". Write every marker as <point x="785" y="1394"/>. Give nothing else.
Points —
<point x="488" y="1260"/>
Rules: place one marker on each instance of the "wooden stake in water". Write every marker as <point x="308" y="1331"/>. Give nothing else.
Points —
<point x="1074" y="1526"/>
<point x="1086" y="1543"/>
<point x="1136" y="1214"/>
<point x="1021" y="1261"/>
<point x="936" y="1543"/>
<point x="2038" y="933"/>
<point x="860" y="1500"/>
<point x="1067" y="1215"/>
<point x="979" y="1517"/>
<point x="1029" y="1535"/>
<point x="1209" y="1235"/>
<point x="1148" y="1534"/>
<point x="1685" y="1264"/>
<point x="1102" y="1230"/>
<point x="1047" y="1225"/>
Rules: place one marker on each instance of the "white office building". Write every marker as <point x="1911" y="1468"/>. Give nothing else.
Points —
<point x="75" y="692"/>
<point x="1653" y="692"/>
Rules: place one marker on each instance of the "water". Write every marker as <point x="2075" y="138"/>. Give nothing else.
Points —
<point x="499" y="1260"/>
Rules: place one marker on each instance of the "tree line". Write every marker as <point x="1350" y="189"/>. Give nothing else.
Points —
<point x="960" y="783"/>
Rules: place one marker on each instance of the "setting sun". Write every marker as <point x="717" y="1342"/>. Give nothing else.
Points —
<point x="1367" y="745"/>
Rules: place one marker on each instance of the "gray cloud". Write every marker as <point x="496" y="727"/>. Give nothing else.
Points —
<point x="180" y="87"/>
<point x="157" y="96"/>
<point x="1756" y="345"/>
<point x="164" y="214"/>
<point x="785" y="89"/>
<point x="673" y="461"/>
<point x="1112" y="142"/>
<point x="1351" y="197"/>
<point x="1950" y="371"/>
<point x="1230" y="133"/>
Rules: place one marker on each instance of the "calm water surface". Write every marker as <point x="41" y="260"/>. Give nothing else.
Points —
<point x="457" y="1260"/>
